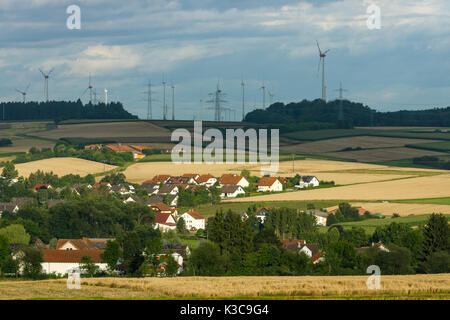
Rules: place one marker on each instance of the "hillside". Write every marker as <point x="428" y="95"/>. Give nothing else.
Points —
<point x="353" y="114"/>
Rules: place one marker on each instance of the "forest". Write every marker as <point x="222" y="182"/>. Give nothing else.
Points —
<point x="353" y="114"/>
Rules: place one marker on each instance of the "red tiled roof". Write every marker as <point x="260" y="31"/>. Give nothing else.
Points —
<point x="119" y="148"/>
<point x="161" y="207"/>
<point x="190" y="175"/>
<point x="266" y="181"/>
<point x="159" y="178"/>
<point x="71" y="255"/>
<point x="140" y="148"/>
<point x="316" y="256"/>
<point x="162" y="218"/>
<point x="230" y="179"/>
<point x="204" y="178"/>
<point x="195" y="215"/>
<point x="42" y="185"/>
<point x="286" y="242"/>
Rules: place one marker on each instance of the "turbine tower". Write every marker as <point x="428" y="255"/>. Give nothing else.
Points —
<point x="263" y="87"/>
<point x="46" y="76"/>
<point x="106" y="97"/>
<point x="173" y="101"/>
<point x="24" y="93"/>
<point x="164" y="99"/>
<point x="322" y="56"/>
<point x="243" y="99"/>
<point x="90" y="87"/>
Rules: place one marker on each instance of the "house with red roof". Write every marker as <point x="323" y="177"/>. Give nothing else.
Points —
<point x="233" y="179"/>
<point x="165" y="221"/>
<point x="125" y="148"/>
<point x="207" y="180"/>
<point x="269" y="184"/>
<point x="193" y="220"/>
<point x="42" y="186"/>
<point x="63" y="262"/>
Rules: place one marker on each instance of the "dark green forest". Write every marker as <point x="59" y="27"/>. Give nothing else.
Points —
<point x="63" y="110"/>
<point x="353" y="114"/>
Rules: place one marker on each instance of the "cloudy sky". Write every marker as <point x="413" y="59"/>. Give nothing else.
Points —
<point x="195" y="44"/>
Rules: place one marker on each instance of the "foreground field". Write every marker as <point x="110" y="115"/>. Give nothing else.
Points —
<point x="308" y="287"/>
<point x="403" y="209"/>
<point x="63" y="166"/>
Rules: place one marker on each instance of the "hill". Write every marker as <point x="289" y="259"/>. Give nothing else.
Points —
<point x="61" y="110"/>
<point x="353" y="114"/>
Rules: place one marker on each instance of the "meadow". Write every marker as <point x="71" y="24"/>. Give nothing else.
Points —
<point x="436" y="286"/>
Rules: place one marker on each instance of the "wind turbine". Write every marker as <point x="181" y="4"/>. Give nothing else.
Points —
<point x="46" y="76"/>
<point x="89" y="88"/>
<point x="106" y="97"/>
<point x="24" y="93"/>
<point x="243" y="99"/>
<point x="322" y="56"/>
<point x="173" y="101"/>
<point x="164" y="99"/>
<point x="263" y="87"/>
<point x="271" y="95"/>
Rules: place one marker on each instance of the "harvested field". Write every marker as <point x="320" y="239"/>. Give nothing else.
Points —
<point x="306" y="287"/>
<point x="63" y="166"/>
<point x="387" y="154"/>
<point x="409" y="188"/>
<point x="108" y="130"/>
<point x="403" y="209"/>
<point x="365" y="142"/>
<point x="23" y="144"/>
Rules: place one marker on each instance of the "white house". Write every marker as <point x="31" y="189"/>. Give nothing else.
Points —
<point x="269" y="184"/>
<point x="64" y="261"/>
<point x="262" y="212"/>
<point x="193" y="220"/>
<point x="321" y="217"/>
<point x="231" y="191"/>
<point x="233" y="179"/>
<point x="206" y="180"/>
<point x="308" y="181"/>
<point x="168" y="189"/>
<point x="165" y="221"/>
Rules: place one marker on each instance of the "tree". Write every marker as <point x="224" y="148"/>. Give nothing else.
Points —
<point x="340" y="257"/>
<point x="111" y="254"/>
<point x="16" y="234"/>
<point x="396" y="261"/>
<point x="356" y="236"/>
<point x="31" y="259"/>
<point x="436" y="235"/>
<point x="438" y="262"/>
<point x="206" y="260"/>
<point x="9" y="171"/>
<point x="5" y="251"/>
<point x="88" y="265"/>
<point x="171" y="268"/>
<point x="181" y="225"/>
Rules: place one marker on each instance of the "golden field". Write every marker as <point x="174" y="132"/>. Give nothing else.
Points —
<point x="63" y="166"/>
<point x="435" y="286"/>
<point x="408" y="188"/>
<point x="403" y="209"/>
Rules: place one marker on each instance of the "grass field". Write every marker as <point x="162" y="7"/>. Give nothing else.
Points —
<point x="435" y="146"/>
<point x="384" y="154"/>
<point x="63" y="166"/>
<point x="435" y="286"/>
<point x="370" y="225"/>
<point x="445" y="200"/>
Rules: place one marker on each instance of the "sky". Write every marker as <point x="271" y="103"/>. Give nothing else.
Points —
<point x="197" y="44"/>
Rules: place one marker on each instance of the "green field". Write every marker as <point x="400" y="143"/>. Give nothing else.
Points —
<point x="426" y="201"/>
<point x="370" y="225"/>
<point x="433" y="146"/>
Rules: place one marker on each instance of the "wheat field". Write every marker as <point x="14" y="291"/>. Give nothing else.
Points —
<point x="306" y="287"/>
<point x="63" y="166"/>
<point x="403" y="209"/>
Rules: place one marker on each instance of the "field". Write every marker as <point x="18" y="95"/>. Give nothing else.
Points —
<point x="435" y="286"/>
<point x="403" y="209"/>
<point x="63" y="166"/>
<point x="385" y="154"/>
<point x="436" y="146"/>
<point x="119" y="131"/>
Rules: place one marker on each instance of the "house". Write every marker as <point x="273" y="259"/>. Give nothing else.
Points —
<point x="261" y="213"/>
<point x="123" y="148"/>
<point x="317" y="257"/>
<point x="76" y="244"/>
<point x="65" y="261"/>
<point x="134" y="199"/>
<point x="165" y="221"/>
<point x="179" y="253"/>
<point x="308" y="181"/>
<point x="231" y="191"/>
<point x="172" y="200"/>
<point x="380" y="246"/>
<point x="100" y="184"/>
<point x="42" y="186"/>
<point x="153" y="199"/>
<point x="206" y="180"/>
<point x="321" y="216"/>
<point x="140" y="148"/>
<point x="122" y="189"/>
<point x="233" y="179"/>
<point x="192" y="175"/>
<point x="310" y="249"/>
<point x="150" y="187"/>
<point x="168" y="189"/>
<point x="161" y="208"/>
<point x="162" y="178"/>
<point x="93" y="147"/>
<point x="269" y="184"/>
<point x="39" y="244"/>
<point x="7" y="206"/>
<point x="181" y="180"/>
<point x="361" y="211"/>
<point x="193" y="220"/>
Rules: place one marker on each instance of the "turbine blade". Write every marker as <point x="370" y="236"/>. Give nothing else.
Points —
<point x="50" y="71"/>
<point x="42" y="72"/>
<point x="320" y="52"/>
<point x="28" y="86"/>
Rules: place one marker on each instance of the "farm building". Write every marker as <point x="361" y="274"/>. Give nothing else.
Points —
<point x="65" y="261"/>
